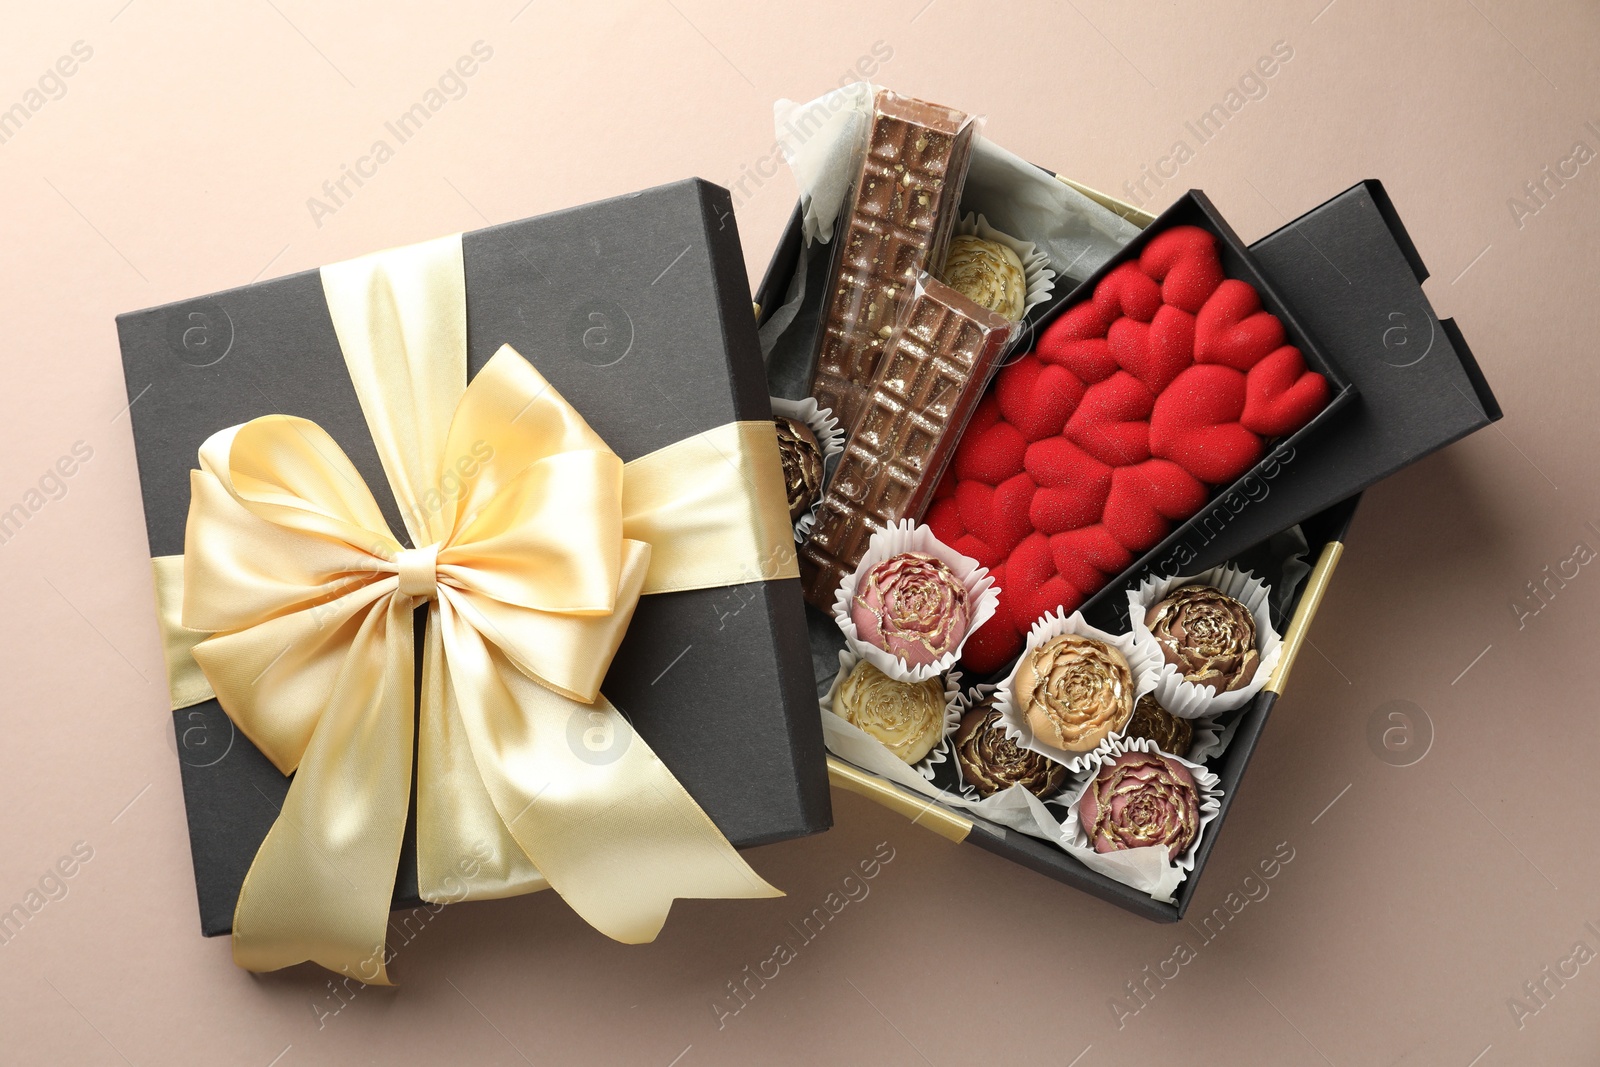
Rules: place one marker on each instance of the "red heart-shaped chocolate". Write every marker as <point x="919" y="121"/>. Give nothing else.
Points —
<point x="944" y="519"/>
<point x="1008" y="521"/>
<point x="1034" y="585"/>
<point x="1184" y="260"/>
<point x="991" y="455"/>
<point x="1111" y="422"/>
<point x="1154" y="353"/>
<point x="1036" y="397"/>
<point x="1072" y="485"/>
<point x="1231" y="329"/>
<point x="1166" y="249"/>
<point x="1081" y="323"/>
<point x="1090" y="360"/>
<point x="1281" y="395"/>
<point x="1128" y="291"/>
<point x="1087" y="551"/>
<point x="1146" y="499"/>
<point x="997" y="642"/>
<point x="1075" y="568"/>
<point x="1195" y="423"/>
<point x="982" y="521"/>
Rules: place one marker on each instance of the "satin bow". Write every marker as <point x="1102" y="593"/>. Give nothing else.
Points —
<point x="530" y="577"/>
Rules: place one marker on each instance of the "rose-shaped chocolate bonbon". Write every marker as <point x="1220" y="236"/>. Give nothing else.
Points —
<point x="1074" y="691"/>
<point x="802" y="464"/>
<point x="908" y="717"/>
<point x="988" y="273"/>
<point x="990" y="761"/>
<point x="1209" y="636"/>
<point x="1141" y="799"/>
<point x="913" y="607"/>
<point x="1153" y="722"/>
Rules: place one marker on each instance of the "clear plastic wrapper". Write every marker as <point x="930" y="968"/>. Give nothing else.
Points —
<point x="902" y="208"/>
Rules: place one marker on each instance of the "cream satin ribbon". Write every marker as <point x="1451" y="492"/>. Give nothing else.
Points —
<point x="536" y="543"/>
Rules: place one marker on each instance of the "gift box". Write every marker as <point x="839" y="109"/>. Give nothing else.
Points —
<point x="1346" y="278"/>
<point x="634" y="310"/>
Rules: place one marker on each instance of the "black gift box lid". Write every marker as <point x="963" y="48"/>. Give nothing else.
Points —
<point x="1350" y="272"/>
<point x="637" y="310"/>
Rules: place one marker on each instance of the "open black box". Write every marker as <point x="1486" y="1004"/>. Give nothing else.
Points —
<point x="637" y="310"/>
<point x="1352" y="277"/>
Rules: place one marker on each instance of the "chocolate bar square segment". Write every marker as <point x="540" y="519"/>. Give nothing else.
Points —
<point x="902" y="209"/>
<point x="938" y="363"/>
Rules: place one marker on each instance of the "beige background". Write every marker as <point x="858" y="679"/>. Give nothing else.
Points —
<point x="179" y="161"/>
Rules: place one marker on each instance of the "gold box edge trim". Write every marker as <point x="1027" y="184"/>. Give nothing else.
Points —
<point x="1316" y="587"/>
<point x="919" y="810"/>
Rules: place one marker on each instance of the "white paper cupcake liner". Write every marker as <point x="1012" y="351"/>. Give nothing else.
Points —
<point x="1035" y="264"/>
<point x="829" y="435"/>
<point x="907" y="536"/>
<point x="848" y="741"/>
<point x="1151" y="869"/>
<point x="1186" y="699"/>
<point x="1144" y="660"/>
<point x="1209" y="740"/>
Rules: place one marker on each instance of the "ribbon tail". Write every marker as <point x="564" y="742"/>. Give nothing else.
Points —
<point x="464" y="851"/>
<point x="585" y="798"/>
<point x="321" y="886"/>
<point x="620" y="865"/>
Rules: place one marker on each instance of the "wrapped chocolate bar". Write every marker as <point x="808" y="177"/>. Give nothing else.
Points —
<point x="902" y="211"/>
<point x="939" y="359"/>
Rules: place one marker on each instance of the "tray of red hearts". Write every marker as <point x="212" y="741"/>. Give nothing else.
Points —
<point x="1160" y="383"/>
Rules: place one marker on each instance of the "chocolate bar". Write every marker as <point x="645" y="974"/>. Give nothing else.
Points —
<point x="901" y="214"/>
<point x="938" y="364"/>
